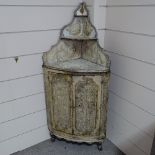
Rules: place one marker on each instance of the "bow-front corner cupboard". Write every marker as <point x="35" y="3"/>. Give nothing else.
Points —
<point x="76" y="77"/>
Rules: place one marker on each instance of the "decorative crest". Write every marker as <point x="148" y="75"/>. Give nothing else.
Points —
<point x="80" y="28"/>
<point x="82" y="10"/>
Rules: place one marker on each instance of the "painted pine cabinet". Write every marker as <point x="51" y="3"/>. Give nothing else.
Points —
<point x="76" y="77"/>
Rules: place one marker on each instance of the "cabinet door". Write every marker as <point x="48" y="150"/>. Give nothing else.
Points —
<point x="86" y="98"/>
<point x="61" y="102"/>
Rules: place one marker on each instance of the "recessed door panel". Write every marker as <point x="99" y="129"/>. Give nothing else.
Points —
<point x="61" y="98"/>
<point x="86" y="103"/>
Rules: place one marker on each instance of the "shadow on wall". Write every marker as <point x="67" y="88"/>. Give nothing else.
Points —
<point x="128" y="138"/>
<point x="153" y="147"/>
<point x="126" y="127"/>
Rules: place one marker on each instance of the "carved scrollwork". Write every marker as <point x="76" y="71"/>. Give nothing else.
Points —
<point x="86" y="98"/>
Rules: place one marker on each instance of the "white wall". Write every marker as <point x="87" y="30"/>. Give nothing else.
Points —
<point x="130" y="42"/>
<point x="28" y="28"/>
<point x="99" y="19"/>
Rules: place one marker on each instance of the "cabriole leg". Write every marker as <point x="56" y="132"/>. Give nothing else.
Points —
<point x="52" y="137"/>
<point x="99" y="146"/>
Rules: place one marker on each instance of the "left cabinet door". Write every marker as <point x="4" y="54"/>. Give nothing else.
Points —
<point x="60" y="94"/>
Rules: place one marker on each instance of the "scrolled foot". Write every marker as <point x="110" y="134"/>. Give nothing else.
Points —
<point x="99" y="146"/>
<point x="53" y="138"/>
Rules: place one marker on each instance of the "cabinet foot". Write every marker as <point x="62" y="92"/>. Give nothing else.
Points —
<point x="53" y="138"/>
<point x="99" y="146"/>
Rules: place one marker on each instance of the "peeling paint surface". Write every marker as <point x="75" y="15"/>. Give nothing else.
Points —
<point x="76" y="77"/>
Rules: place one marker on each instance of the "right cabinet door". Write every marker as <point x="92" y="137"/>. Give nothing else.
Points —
<point x="86" y="105"/>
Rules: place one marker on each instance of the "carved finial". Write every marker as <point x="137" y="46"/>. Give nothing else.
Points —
<point x="82" y="10"/>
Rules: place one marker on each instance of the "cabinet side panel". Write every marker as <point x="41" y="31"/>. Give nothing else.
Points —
<point x="104" y="103"/>
<point x="47" y="97"/>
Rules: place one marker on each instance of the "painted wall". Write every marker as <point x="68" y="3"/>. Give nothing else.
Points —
<point x="27" y="29"/>
<point x="130" y="42"/>
<point x="99" y="16"/>
<point x="30" y="27"/>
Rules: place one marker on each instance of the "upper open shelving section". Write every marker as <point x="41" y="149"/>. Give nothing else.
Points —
<point x="78" y="49"/>
<point x="80" y="28"/>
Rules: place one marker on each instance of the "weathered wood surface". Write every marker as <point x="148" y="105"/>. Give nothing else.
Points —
<point x="86" y="98"/>
<point x="76" y="75"/>
<point x="76" y="105"/>
<point x="61" y="94"/>
<point x="66" y="53"/>
<point x="78" y="40"/>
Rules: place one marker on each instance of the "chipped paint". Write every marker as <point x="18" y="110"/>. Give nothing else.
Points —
<point x="76" y="77"/>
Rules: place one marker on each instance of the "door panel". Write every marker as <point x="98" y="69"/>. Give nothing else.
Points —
<point x="86" y="103"/>
<point x="61" y="98"/>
